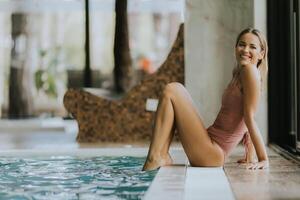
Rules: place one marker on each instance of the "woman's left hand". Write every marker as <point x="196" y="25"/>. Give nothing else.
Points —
<point x="264" y="164"/>
<point x="246" y="160"/>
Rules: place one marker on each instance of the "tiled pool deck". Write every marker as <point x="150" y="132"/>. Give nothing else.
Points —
<point x="179" y="181"/>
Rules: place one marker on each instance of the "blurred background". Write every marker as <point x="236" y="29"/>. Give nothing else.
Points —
<point x="47" y="46"/>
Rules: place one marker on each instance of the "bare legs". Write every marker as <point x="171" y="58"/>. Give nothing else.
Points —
<point x="176" y="110"/>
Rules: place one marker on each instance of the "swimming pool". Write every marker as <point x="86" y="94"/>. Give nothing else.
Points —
<point x="73" y="177"/>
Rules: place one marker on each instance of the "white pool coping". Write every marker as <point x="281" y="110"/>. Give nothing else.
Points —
<point x="207" y="183"/>
<point x="81" y="152"/>
<point x="179" y="181"/>
<point x="54" y="125"/>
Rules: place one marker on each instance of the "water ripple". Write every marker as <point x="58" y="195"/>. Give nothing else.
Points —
<point x="67" y="177"/>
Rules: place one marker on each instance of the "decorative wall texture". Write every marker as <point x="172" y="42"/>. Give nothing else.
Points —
<point x="125" y="120"/>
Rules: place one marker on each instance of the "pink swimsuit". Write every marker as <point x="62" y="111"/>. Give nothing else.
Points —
<point x="229" y="127"/>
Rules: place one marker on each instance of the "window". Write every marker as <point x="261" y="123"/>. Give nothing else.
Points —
<point x="284" y="87"/>
<point x="52" y="40"/>
<point x="152" y="26"/>
<point x="51" y="44"/>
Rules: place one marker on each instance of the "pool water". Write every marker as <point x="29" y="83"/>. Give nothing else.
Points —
<point x="70" y="177"/>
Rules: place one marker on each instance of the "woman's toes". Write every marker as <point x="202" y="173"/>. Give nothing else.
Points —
<point x="153" y="164"/>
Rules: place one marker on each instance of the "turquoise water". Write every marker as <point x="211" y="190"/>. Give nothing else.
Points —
<point x="69" y="177"/>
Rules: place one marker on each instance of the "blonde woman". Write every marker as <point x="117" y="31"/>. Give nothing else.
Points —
<point x="235" y="121"/>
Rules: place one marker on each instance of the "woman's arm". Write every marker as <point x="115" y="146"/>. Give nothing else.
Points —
<point x="249" y="150"/>
<point x="251" y="88"/>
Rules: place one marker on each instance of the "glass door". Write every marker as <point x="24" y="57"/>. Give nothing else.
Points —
<point x="297" y="71"/>
<point x="283" y="81"/>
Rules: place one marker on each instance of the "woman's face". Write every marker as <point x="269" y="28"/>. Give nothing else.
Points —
<point x="248" y="50"/>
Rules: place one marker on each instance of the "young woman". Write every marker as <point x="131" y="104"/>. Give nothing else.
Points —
<point x="235" y="121"/>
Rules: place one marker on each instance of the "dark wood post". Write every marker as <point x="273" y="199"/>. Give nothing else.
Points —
<point x="123" y="63"/>
<point x="87" y="68"/>
<point x="20" y="98"/>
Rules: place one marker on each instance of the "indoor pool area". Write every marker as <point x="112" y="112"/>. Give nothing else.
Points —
<point x="54" y="166"/>
<point x="149" y="100"/>
<point x="50" y="164"/>
<point x="69" y="177"/>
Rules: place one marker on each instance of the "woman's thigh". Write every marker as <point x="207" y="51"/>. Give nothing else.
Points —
<point x="199" y="147"/>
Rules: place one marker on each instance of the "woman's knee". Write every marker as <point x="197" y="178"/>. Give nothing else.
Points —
<point x="173" y="88"/>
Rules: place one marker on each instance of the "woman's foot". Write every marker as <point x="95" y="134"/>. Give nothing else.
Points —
<point x="155" y="162"/>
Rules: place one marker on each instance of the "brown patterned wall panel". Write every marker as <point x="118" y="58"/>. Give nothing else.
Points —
<point x="125" y="120"/>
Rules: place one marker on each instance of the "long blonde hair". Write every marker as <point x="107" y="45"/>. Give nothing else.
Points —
<point x="262" y="65"/>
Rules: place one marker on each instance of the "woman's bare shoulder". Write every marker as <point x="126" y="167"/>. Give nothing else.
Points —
<point x="250" y="73"/>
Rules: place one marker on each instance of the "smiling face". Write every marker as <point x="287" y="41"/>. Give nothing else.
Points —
<point x="248" y="50"/>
